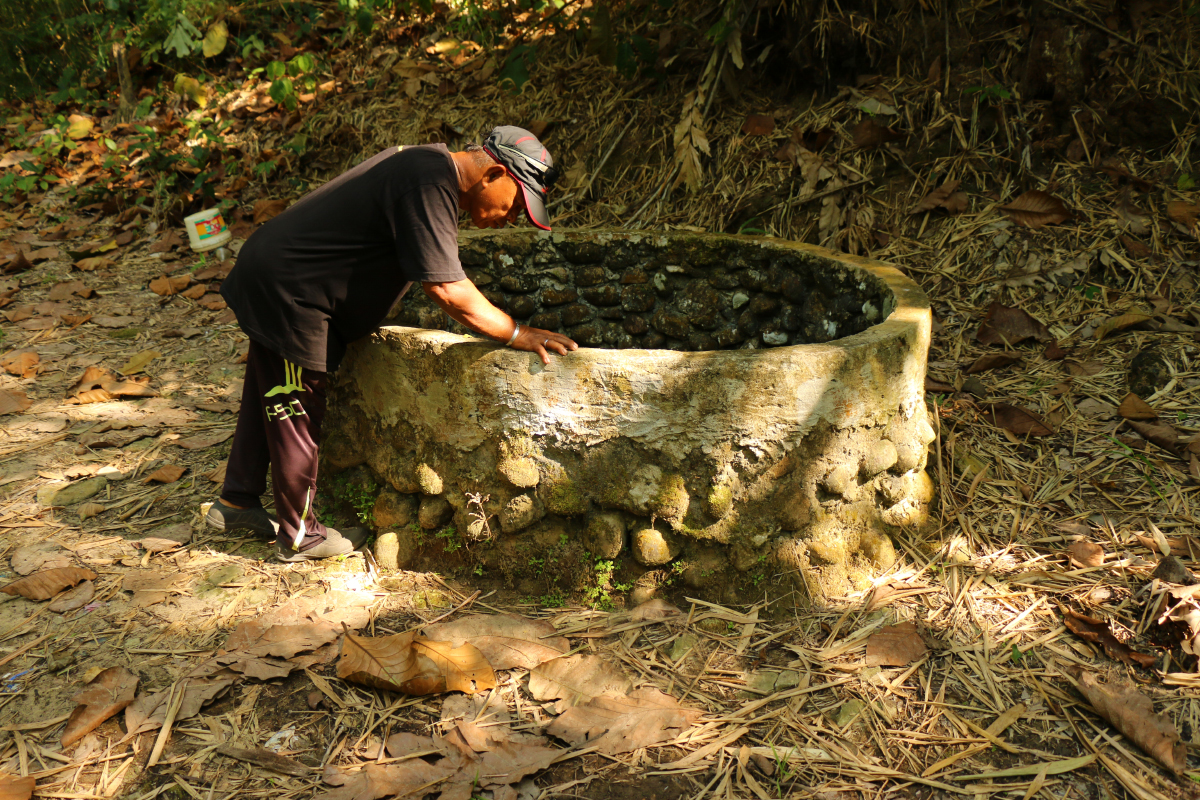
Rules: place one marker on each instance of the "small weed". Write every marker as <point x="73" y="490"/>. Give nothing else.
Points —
<point x="451" y="541"/>
<point x="599" y="595"/>
<point x="554" y="599"/>
<point x="360" y="497"/>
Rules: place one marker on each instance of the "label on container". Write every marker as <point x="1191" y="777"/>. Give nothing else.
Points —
<point x="207" y="228"/>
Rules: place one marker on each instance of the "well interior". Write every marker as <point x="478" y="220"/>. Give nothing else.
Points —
<point x="781" y="454"/>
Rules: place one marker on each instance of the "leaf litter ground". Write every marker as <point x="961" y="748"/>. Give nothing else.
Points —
<point x="1057" y="639"/>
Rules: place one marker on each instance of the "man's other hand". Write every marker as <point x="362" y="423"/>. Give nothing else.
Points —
<point x="536" y="340"/>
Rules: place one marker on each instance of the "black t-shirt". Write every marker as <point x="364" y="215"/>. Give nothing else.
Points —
<point x="325" y="272"/>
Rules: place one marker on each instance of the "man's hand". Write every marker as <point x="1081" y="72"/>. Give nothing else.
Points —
<point x="536" y="340"/>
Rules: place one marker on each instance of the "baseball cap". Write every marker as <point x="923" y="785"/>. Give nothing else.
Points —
<point x="529" y="163"/>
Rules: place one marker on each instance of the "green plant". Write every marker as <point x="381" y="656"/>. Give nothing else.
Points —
<point x="553" y="599"/>
<point x="598" y="595"/>
<point x="993" y="93"/>
<point x="783" y="771"/>
<point x="451" y="541"/>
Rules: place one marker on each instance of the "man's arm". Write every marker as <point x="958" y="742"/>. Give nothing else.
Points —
<point x="463" y="301"/>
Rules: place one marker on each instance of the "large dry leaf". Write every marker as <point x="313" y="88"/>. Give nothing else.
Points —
<point x="507" y="641"/>
<point x="167" y="286"/>
<point x="204" y="441"/>
<point x="870" y="133"/>
<point x="402" y="663"/>
<point x="148" y="712"/>
<point x="654" y="609"/>
<point x="47" y="583"/>
<point x="23" y="363"/>
<point x="72" y="599"/>
<point x="1134" y="407"/>
<point x="1097" y="631"/>
<point x="13" y="401"/>
<point x="758" y="125"/>
<point x="895" y="646"/>
<point x="64" y="290"/>
<point x="1184" y="214"/>
<point x="576" y="679"/>
<point x="262" y="757"/>
<point x="1086" y="554"/>
<point x="1121" y="322"/>
<point x="17" y="263"/>
<point x="167" y="538"/>
<point x="623" y="724"/>
<point x="1036" y="208"/>
<point x="268" y="209"/>
<point x="460" y="669"/>
<point x="1006" y="325"/>
<point x="1019" y="421"/>
<point x="946" y="197"/>
<point x="108" y="693"/>
<point x="992" y="361"/>
<point x="376" y="781"/>
<point x="1161" y="434"/>
<point x="14" y="787"/>
<point x="168" y="473"/>
<point x="1132" y="713"/>
<point x="29" y="558"/>
<point x="263" y="651"/>
<point x="102" y="380"/>
<point x="139" y="362"/>
<point x="93" y="263"/>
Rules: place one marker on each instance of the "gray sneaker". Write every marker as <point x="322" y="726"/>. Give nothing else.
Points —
<point x="227" y="519"/>
<point x="337" y="543"/>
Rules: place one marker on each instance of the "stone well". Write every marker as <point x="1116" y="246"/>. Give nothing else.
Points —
<point x="746" y="413"/>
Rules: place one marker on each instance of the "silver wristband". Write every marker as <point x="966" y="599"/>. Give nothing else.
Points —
<point x="513" y="338"/>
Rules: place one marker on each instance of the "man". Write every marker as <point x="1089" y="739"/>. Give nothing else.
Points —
<point x="325" y="272"/>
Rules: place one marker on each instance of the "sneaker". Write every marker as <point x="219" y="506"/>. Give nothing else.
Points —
<point x="225" y="518"/>
<point x="337" y="543"/>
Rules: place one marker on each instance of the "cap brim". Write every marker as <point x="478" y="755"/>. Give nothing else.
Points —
<point x="535" y="208"/>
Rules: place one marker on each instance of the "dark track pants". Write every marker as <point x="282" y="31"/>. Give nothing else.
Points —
<point x="279" y="425"/>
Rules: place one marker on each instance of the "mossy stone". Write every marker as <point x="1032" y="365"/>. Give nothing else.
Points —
<point x="671" y="501"/>
<point x="565" y="499"/>
<point x="394" y="510"/>
<point x="719" y="501"/>
<point x="653" y="548"/>
<point x="521" y="472"/>
<point x="428" y="480"/>
<point x="605" y="536"/>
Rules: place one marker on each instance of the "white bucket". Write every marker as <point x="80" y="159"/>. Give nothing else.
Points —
<point x="207" y="229"/>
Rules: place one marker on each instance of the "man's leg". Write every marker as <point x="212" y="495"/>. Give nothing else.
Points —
<point x="240" y="504"/>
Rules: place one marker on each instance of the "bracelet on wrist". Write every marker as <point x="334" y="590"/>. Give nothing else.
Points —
<point x="513" y="338"/>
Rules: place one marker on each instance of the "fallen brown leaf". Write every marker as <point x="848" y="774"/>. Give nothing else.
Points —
<point x="946" y="197"/>
<point x="264" y="651"/>
<point x="576" y="680"/>
<point x="1086" y="554"/>
<point x="168" y="473"/>
<point x="1134" y="407"/>
<point x="1161" y="434"/>
<point x="1121" y="322"/>
<point x="14" y="787"/>
<point x="262" y="757"/>
<point x="30" y="558"/>
<point x="204" y="441"/>
<point x="66" y="289"/>
<point x="114" y="322"/>
<point x="1183" y="214"/>
<point x="218" y="474"/>
<point x="1097" y="631"/>
<point x="390" y="780"/>
<point x="895" y="646"/>
<point x="13" y="401"/>
<point x="21" y="362"/>
<point x="758" y="125"/>
<point x="170" y="240"/>
<point x="623" y="724"/>
<point x="1132" y="713"/>
<point x="212" y="301"/>
<point x="654" y="609"/>
<point x="870" y="133"/>
<point x="403" y="663"/>
<point x="1054" y="352"/>
<point x="139" y="362"/>
<point x="1036" y="209"/>
<point x="108" y="693"/>
<point x="99" y="378"/>
<point x="507" y="641"/>
<point x="47" y="583"/>
<point x="992" y="361"/>
<point x="1006" y="325"/>
<point x="1019" y="421"/>
<point x="167" y="538"/>
<point x="167" y="286"/>
<point x="72" y="599"/>
<point x="268" y="209"/>
<point x="18" y="263"/>
<point x="93" y="263"/>
<point x="148" y="712"/>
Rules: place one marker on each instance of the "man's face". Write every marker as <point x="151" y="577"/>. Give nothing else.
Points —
<point x="496" y="200"/>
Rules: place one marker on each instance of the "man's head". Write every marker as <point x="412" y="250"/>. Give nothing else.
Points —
<point x="511" y="173"/>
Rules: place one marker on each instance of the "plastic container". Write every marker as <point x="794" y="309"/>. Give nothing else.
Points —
<point x="207" y="229"/>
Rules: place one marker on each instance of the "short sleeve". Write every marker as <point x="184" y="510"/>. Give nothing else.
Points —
<point x="424" y="222"/>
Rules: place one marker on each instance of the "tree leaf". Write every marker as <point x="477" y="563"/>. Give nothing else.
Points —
<point x="1036" y="209"/>
<point x="191" y="88"/>
<point x="101" y="378"/>
<point x="214" y="40"/>
<point x="168" y="473"/>
<point x="93" y="263"/>
<point x="758" y="125"/>
<point x="870" y="133"/>
<point x="1004" y="325"/>
<point x="507" y="641"/>
<point x="1086" y="554"/>
<point x="268" y="209"/>
<point x="108" y="693"/>
<point x="1134" y="407"/>
<point x="14" y="787"/>
<point x="139" y="362"/>
<point x="28" y="559"/>
<point x="21" y="362"/>
<point x="165" y="287"/>
<point x="576" y="679"/>
<point x="1019" y="421"/>
<point x="75" y="598"/>
<point x="895" y="646"/>
<point x="1097" y="631"/>
<point x="79" y="126"/>
<point x="13" y="401"/>
<point x="148" y="712"/>
<point x="1183" y="214"/>
<point x="411" y="665"/>
<point x="1121" y="322"/>
<point x="47" y="583"/>
<point x="1132" y="713"/>
<point x="204" y="441"/>
<point x="623" y="724"/>
<point x="1160" y="434"/>
<point x="389" y="780"/>
<point x="991" y="361"/>
<point x="946" y="197"/>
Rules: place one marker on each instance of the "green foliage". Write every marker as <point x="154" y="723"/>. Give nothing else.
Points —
<point x="992" y="94"/>
<point x="599" y="594"/>
<point x="451" y="541"/>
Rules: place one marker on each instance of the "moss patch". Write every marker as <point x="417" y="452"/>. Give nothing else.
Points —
<point x="719" y="501"/>
<point x="520" y="472"/>
<point x="671" y="502"/>
<point x="565" y="499"/>
<point x="429" y="481"/>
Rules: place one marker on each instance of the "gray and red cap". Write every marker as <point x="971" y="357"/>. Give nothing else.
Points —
<point x="530" y="165"/>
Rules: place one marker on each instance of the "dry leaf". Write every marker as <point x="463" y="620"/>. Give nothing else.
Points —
<point x="218" y="474"/>
<point x="204" y="441"/>
<point x="212" y="301"/>
<point x="1086" y="554"/>
<point x="992" y="361"/>
<point x="390" y="780"/>
<point x="13" y="401"/>
<point x="946" y="197"/>
<point x="75" y="598"/>
<point x="1121" y="322"/>
<point x="110" y="692"/>
<point x="93" y="263"/>
<point x="148" y="712"/>
<point x="114" y="322"/>
<point x="21" y="362"/>
<point x="1160" y="434"/>
<point x="1006" y="325"/>
<point x="1134" y="407"/>
<point x="654" y="609"/>
<point x="576" y="679"/>
<point x="47" y="583"/>
<point x="1054" y="352"/>
<point x="507" y="641"/>
<point x="168" y="473"/>
<point x="165" y="287"/>
<point x="1097" y="631"/>
<point x="758" y="125"/>
<point x="30" y="558"/>
<point x="139" y="362"/>
<point x="264" y="651"/>
<point x="895" y="646"/>
<point x="89" y="510"/>
<point x="98" y="378"/>
<point x="1133" y="217"/>
<point x="166" y="538"/>
<point x="623" y="724"/>
<point x="268" y="209"/>
<point x="170" y="240"/>
<point x="1183" y="214"/>
<point x="18" y="263"/>
<point x="403" y="663"/>
<point x="14" y="787"/>
<point x="1019" y="421"/>
<point x="1132" y="713"/>
<point x="1036" y="209"/>
<point x="262" y="757"/>
<point x="870" y="133"/>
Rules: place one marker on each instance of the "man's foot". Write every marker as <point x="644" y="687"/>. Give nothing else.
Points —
<point x="229" y="519"/>
<point x="337" y="543"/>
